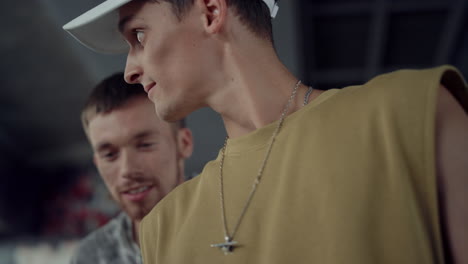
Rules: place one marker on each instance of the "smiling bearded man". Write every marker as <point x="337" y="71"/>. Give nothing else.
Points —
<point x="139" y="157"/>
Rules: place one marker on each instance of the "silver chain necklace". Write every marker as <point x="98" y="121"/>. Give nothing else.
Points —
<point x="229" y="244"/>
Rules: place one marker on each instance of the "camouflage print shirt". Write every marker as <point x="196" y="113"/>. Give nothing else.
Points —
<point x="112" y="243"/>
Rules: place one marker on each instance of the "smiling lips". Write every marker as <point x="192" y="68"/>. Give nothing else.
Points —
<point x="137" y="194"/>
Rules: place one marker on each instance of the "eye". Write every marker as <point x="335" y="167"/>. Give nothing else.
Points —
<point x="140" y="36"/>
<point x="145" y="145"/>
<point x="108" y="155"/>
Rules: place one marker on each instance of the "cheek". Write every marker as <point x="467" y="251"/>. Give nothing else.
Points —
<point x="157" y="55"/>
<point x="173" y="58"/>
<point x="108" y="175"/>
<point x="159" y="163"/>
<point x="162" y="164"/>
<point x="185" y="77"/>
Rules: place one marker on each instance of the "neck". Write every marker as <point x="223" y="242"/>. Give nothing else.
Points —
<point x="255" y="89"/>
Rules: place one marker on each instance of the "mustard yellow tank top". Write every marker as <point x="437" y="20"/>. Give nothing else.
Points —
<point x="351" y="179"/>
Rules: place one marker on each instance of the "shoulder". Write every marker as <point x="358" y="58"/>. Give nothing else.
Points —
<point x="413" y="77"/>
<point x="168" y="215"/>
<point x="179" y="201"/>
<point x="405" y="89"/>
<point x="406" y="80"/>
<point x="179" y="198"/>
<point x="178" y="211"/>
<point x="416" y="81"/>
<point x="100" y="240"/>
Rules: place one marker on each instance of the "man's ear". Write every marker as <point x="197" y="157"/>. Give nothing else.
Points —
<point x="214" y="13"/>
<point x="184" y="143"/>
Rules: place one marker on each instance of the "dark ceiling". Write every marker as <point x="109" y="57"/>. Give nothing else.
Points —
<point x="349" y="41"/>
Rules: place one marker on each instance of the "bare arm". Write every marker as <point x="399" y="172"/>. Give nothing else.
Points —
<point x="452" y="173"/>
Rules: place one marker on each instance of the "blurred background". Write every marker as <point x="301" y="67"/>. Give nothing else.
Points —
<point x="50" y="192"/>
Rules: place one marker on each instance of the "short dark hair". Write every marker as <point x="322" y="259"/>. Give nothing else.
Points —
<point x="110" y="94"/>
<point x="253" y="13"/>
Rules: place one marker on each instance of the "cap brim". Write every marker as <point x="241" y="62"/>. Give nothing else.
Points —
<point x="98" y="30"/>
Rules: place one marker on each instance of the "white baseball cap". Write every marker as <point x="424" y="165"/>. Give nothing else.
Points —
<point x="97" y="28"/>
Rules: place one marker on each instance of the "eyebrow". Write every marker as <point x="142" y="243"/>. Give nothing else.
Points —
<point x="124" y="21"/>
<point x="146" y="134"/>
<point x="105" y="145"/>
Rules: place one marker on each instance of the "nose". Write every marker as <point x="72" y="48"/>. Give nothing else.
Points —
<point x="133" y="72"/>
<point x="129" y="166"/>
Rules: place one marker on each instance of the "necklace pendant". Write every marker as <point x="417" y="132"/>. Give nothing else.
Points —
<point x="227" y="247"/>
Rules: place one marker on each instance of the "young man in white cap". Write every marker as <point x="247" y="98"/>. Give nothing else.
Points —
<point x="366" y="174"/>
<point x="139" y="157"/>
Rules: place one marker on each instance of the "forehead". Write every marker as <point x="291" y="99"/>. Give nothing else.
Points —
<point x="126" y="122"/>
<point x="140" y="9"/>
<point x="132" y="7"/>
